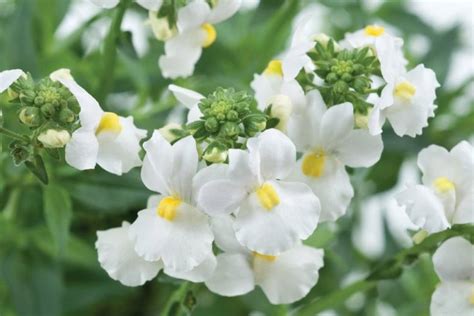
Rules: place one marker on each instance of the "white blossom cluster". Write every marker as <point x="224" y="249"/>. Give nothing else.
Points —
<point x="261" y="202"/>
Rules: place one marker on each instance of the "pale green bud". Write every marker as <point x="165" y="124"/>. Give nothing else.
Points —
<point x="167" y="131"/>
<point x="160" y="27"/>
<point x="54" y="138"/>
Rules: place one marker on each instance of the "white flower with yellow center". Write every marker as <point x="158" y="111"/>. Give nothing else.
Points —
<point x="195" y="26"/>
<point x="406" y="102"/>
<point x="284" y="278"/>
<point x="104" y="138"/>
<point x="453" y="262"/>
<point x="329" y="142"/>
<point x="173" y="229"/>
<point x="386" y="47"/>
<point x="446" y="196"/>
<point x="284" y="97"/>
<point x="271" y="215"/>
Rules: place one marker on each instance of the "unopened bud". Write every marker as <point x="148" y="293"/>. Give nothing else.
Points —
<point x="230" y="129"/>
<point x="361" y="84"/>
<point x="281" y="109"/>
<point x="48" y="110"/>
<point x="211" y="125"/>
<point x="160" y="27"/>
<point x="340" y="87"/>
<point x="420" y="236"/>
<point x="66" y="116"/>
<point x="332" y="77"/>
<point x="255" y="124"/>
<point x="215" y="153"/>
<point x="361" y="120"/>
<point x="232" y="115"/>
<point x="39" y="101"/>
<point x="30" y="116"/>
<point x="54" y="139"/>
<point x="169" y="131"/>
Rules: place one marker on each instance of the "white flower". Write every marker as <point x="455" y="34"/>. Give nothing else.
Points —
<point x="453" y="262"/>
<point x="8" y="77"/>
<point x="147" y="4"/>
<point x="53" y="138"/>
<point x="195" y="31"/>
<point x="285" y="97"/>
<point x="284" y="279"/>
<point x="388" y="49"/>
<point x="407" y="102"/>
<point x="104" y="138"/>
<point x="446" y="196"/>
<point x="188" y="98"/>
<point x="173" y="229"/>
<point x="329" y="142"/>
<point x="271" y="215"/>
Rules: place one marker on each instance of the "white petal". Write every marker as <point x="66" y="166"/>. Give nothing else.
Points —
<point x="193" y="15"/>
<point x="423" y="208"/>
<point x="452" y="298"/>
<point x="224" y="234"/>
<point x="279" y="229"/>
<point x="217" y="171"/>
<point x="185" y="163"/>
<point x="464" y="210"/>
<point x="295" y="92"/>
<point x="277" y="154"/>
<point x="154" y="200"/>
<point x="390" y="55"/>
<point x="221" y="197"/>
<point x="453" y="260"/>
<point x="182" y="243"/>
<point x="360" y="149"/>
<point x="242" y="168"/>
<point x="194" y="114"/>
<point x="233" y="275"/>
<point x="8" y="77"/>
<point x="122" y="154"/>
<point x="152" y="5"/>
<point x="291" y="275"/>
<point x="106" y="4"/>
<point x="223" y="10"/>
<point x="199" y="274"/>
<point x="265" y="87"/>
<point x="82" y="149"/>
<point x="409" y="119"/>
<point x="119" y="259"/>
<point x="157" y="164"/>
<point x="336" y="124"/>
<point x="376" y="121"/>
<point x="188" y="98"/>
<point x="295" y="60"/>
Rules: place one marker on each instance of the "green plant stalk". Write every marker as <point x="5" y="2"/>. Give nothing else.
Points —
<point x="389" y="269"/>
<point x="13" y="135"/>
<point x="110" y="53"/>
<point x="178" y="298"/>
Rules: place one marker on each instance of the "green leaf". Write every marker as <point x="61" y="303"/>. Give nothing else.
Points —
<point x="37" y="167"/>
<point x="58" y="214"/>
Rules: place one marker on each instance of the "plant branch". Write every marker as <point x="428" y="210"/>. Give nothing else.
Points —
<point x="181" y="300"/>
<point x="389" y="269"/>
<point x="13" y="135"/>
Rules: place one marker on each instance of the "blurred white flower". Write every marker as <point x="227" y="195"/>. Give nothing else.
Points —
<point x="453" y="262"/>
<point x="271" y="215"/>
<point x="104" y="138"/>
<point x="329" y="142"/>
<point x="407" y="101"/>
<point x="446" y="196"/>
<point x="284" y="279"/>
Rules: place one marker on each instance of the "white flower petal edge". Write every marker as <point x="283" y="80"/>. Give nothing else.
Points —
<point x="8" y="77"/>
<point x="199" y="274"/>
<point x="118" y="258"/>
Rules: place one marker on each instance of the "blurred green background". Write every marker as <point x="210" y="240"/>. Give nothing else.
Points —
<point x="48" y="264"/>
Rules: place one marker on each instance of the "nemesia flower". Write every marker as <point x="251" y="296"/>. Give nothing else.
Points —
<point x="284" y="279"/>
<point x="446" y="195"/>
<point x="407" y="102"/>
<point x="455" y="294"/>
<point x="272" y="215"/>
<point x="388" y="48"/>
<point x="329" y="142"/>
<point x="104" y="138"/>
<point x="284" y="97"/>
<point x="195" y="31"/>
<point x="173" y="229"/>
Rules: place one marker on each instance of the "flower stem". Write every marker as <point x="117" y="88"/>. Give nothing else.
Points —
<point x="110" y="53"/>
<point x="13" y="135"/>
<point x="181" y="300"/>
<point x="389" y="269"/>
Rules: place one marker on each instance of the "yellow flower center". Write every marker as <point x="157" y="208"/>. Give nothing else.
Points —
<point x="168" y="207"/>
<point x="313" y="164"/>
<point x="268" y="196"/>
<point x="405" y="90"/>
<point x="443" y="185"/>
<point x="274" y="67"/>
<point x="110" y="122"/>
<point x="471" y="297"/>
<point x="374" y="30"/>
<point x="269" y="258"/>
<point x="211" y="34"/>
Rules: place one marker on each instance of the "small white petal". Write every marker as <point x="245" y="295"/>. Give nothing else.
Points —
<point x="106" y="4"/>
<point x="223" y="10"/>
<point x="452" y="298"/>
<point x="185" y="163"/>
<point x="336" y="124"/>
<point x="221" y="197"/>
<point x="453" y="260"/>
<point x="199" y="274"/>
<point x="187" y="97"/>
<point x="193" y="15"/>
<point x="119" y="259"/>
<point x="233" y="275"/>
<point x="360" y="149"/>
<point x="8" y="77"/>
<point x="224" y="234"/>
<point x="82" y="149"/>
<point x="152" y="5"/>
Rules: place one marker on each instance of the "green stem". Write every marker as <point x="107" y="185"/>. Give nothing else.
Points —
<point x="110" y="52"/>
<point x="178" y="301"/>
<point x="12" y="204"/>
<point x="389" y="269"/>
<point x="13" y="135"/>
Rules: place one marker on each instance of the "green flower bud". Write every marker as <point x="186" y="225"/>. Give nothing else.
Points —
<point x="48" y="110"/>
<point x="255" y="124"/>
<point x="332" y="77"/>
<point x="346" y="77"/>
<point x="211" y="125"/>
<point x="54" y="138"/>
<point x="66" y="115"/>
<point x="170" y="131"/>
<point x="19" y="154"/>
<point x="215" y="153"/>
<point x="39" y="101"/>
<point x="27" y="96"/>
<point x="230" y="129"/>
<point x="340" y="87"/>
<point x="30" y="116"/>
<point x="73" y="105"/>
<point x="232" y="116"/>
<point x="361" y="84"/>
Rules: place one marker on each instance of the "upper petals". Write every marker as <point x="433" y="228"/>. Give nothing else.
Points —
<point x="224" y="234"/>
<point x="193" y="15"/>
<point x="336" y="124"/>
<point x="453" y="260"/>
<point x="360" y="149"/>
<point x="82" y="149"/>
<point x="188" y="98"/>
<point x="8" y="77"/>
<point x="223" y="10"/>
<point x="452" y="298"/>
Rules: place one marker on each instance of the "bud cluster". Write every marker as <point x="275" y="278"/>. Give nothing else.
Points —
<point x="346" y="74"/>
<point x="228" y="119"/>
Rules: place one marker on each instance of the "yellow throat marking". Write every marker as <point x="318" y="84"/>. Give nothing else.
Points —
<point x="110" y="122"/>
<point x="269" y="258"/>
<point x="405" y="90"/>
<point x="211" y="34"/>
<point x="313" y="164"/>
<point x="168" y="207"/>
<point x="268" y="196"/>
<point x="274" y="67"/>
<point x="443" y="185"/>
<point x="374" y="30"/>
